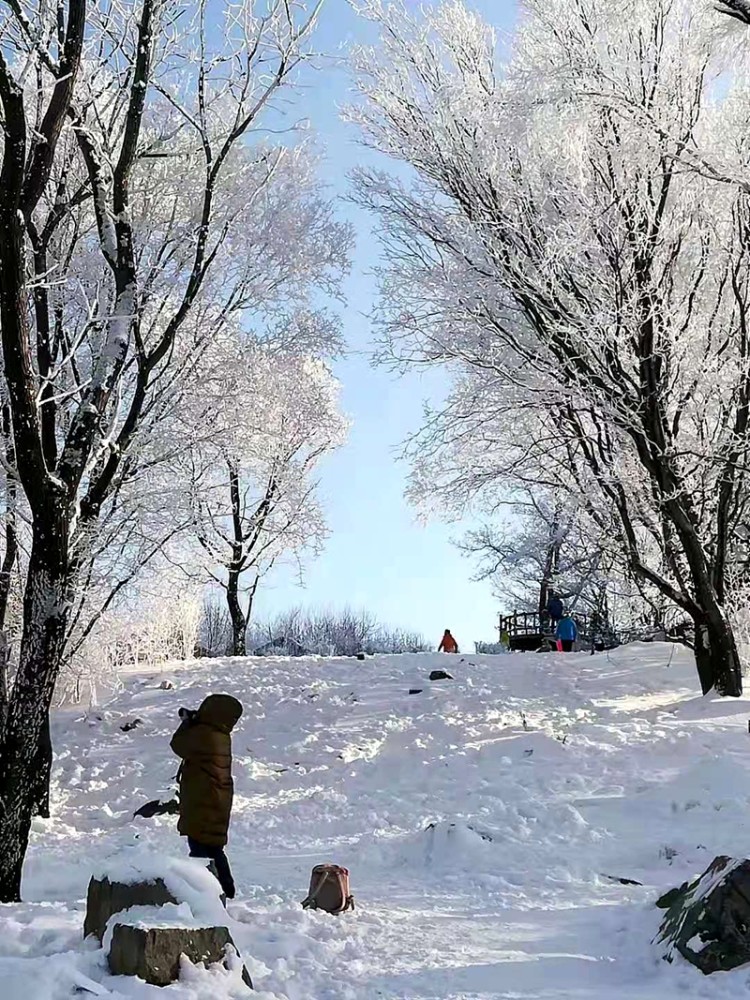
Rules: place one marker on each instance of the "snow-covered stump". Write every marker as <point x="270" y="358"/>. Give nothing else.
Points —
<point x="149" y="911"/>
<point x="708" y="921"/>
<point x="106" y="898"/>
<point x="154" y="954"/>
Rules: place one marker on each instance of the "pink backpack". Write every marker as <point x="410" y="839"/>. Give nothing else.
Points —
<point x="329" y="890"/>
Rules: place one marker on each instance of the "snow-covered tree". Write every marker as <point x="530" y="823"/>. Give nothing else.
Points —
<point x="128" y="181"/>
<point x="586" y="284"/>
<point x="157" y="623"/>
<point x="252" y="478"/>
<point x="539" y="549"/>
<point x="288" y="253"/>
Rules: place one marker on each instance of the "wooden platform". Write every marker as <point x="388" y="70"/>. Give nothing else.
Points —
<point x="529" y="631"/>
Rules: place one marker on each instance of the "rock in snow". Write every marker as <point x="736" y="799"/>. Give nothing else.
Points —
<point x="157" y="808"/>
<point x="708" y="921"/>
<point x="130" y="726"/>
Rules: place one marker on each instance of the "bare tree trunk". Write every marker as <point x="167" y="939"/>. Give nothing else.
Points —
<point x="546" y="581"/>
<point x="9" y="561"/>
<point x="250" y="604"/>
<point x="236" y="614"/>
<point x="716" y="657"/>
<point x="11" y="536"/>
<point x="235" y="567"/>
<point x="25" y="743"/>
<point x="246" y="532"/>
<point x="4" y="657"/>
<point x="8" y="565"/>
<point x="551" y="568"/>
<point x="43" y="770"/>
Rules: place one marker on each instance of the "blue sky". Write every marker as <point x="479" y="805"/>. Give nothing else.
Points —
<point x="378" y="556"/>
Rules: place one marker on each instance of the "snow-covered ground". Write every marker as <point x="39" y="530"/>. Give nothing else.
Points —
<point x="480" y="820"/>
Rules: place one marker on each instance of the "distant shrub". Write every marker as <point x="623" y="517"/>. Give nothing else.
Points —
<point x="316" y="631"/>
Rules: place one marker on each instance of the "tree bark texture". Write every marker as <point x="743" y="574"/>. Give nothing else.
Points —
<point x="26" y="751"/>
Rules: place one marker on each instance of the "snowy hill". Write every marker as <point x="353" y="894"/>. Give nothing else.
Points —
<point x="479" y="818"/>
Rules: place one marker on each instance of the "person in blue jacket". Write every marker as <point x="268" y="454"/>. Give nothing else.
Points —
<point x="555" y="608"/>
<point x="567" y="633"/>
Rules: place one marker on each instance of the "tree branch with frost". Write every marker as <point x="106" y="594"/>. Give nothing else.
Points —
<point x="115" y="228"/>
<point x="204" y="256"/>
<point x="739" y="9"/>
<point x="33" y="37"/>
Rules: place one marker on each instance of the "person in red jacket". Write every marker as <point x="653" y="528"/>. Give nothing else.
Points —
<point x="448" y="644"/>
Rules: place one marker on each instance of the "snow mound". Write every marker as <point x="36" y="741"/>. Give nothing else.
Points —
<point x="453" y="846"/>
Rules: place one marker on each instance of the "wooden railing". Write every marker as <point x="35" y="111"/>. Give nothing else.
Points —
<point x="528" y="623"/>
<point x="529" y="630"/>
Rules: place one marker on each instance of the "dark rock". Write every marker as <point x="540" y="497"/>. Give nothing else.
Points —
<point x="106" y="898"/>
<point x="130" y="726"/>
<point x="708" y="921"/>
<point x="166" y="686"/>
<point x="487" y="837"/>
<point x="440" y="675"/>
<point x="455" y="828"/>
<point x="153" y="954"/>
<point x="415" y="690"/>
<point x="674" y="895"/>
<point x="361" y="656"/>
<point x="157" y="808"/>
<point x="622" y="881"/>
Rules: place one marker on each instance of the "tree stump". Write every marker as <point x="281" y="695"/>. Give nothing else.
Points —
<point x="708" y="921"/>
<point x="106" y="898"/>
<point x="153" y="954"/>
